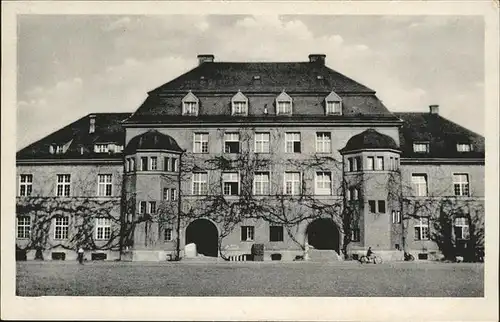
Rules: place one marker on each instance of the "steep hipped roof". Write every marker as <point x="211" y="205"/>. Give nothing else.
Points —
<point x="370" y="139"/>
<point x="152" y="140"/>
<point x="442" y="134"/>
<point x="108" y="129"/>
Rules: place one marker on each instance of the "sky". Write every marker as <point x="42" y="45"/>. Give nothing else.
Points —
<point x="73" y="65"/>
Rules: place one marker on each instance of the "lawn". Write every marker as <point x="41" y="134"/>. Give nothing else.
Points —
<point x="249" y="279"/>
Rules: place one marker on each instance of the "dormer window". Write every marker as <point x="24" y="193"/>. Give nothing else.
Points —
<point x="464" y="147"/>
<point x="333" y="104"/>
<point x="56" y="148"/>
<point x="190" y="104"/>
<point x="239" y="104"/>
<point x="421" y="147"/>
<point x="101" y="148"/>
<point x="283" y="104"/>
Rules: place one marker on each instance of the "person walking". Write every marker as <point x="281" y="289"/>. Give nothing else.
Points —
<point x="80" y="255"/>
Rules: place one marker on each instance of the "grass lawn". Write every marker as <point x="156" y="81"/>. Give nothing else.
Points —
<point x="249" y="279"/>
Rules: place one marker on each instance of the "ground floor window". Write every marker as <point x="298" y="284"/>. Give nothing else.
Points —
<point x="103" y="228"/>
<point x="61" y="227"/>
<point x="276" y="233"/>
<point x="461" y="227"/>
<point x="23" y="227"/>
<point x="168" y="234"/>
<point x="422" y="229"/>
<point x="355" y="234"/>
<point x="247" y="233"/>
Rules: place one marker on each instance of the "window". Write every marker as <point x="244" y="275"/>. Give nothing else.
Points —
<point x="200" y="143"/>
<point x="354" y="164"/>
<point x="333" y="108"/>
<point x="355" y="234"/>
<point x="464" y="147"/>
<point x="276" y="233"/>
<point x="101" y="148"/>
<point x="240" y="108"/>
<point x="167" y="234"/>
<point x="104" y="185"/>
<point x="357" y="164"/>
<point x="369" y="163"/>
<point x="142" y="207"/>
<point x="132" y="164"/>
<point x="61" y="227"/>
<point x="166" y="194"/>
<point x="422" y="229"/>
<point x="461" y="184"/>
<point x="421" y="147"/>
<point x="381" y="206"/>
<point x="396" y="217"/>
<point x="323" y="183"/>
<point x="284" y="107"/>
<point x="59" y="149"/>
<point x="25" y="184"/>
<point x="261" y="142"/>
<point x="144" y="163"/>
<point x="190" y="104"/>
<point x="292" y="142"/>
<point x="261" y="183"/>
<point x="323" y="142"/>
<point x="175" y="165"/>
<point x="103" y="228"/>
<point x="231" y="142"/>
<point x="461" y="228"/>
<point x="352" y="193"/>
<point x="127" y="165"/>
<point x="63" y="185"/>
<point x="153" y="163"/>
<point x="200" y="183"/>
<point x="292" y="183"/>
<point x="380" y="163"/>
<point x="166" y="164"/>
<point x="152" y="207"/>
<point x="373" y="206"/>
<point x="419" y="183"/>
<point x="173" y="194"/>
<point x="247" y="233"/>
<point x="230" y="182"/>
<point x="396" y="163"/>
<point x="23" y="227"/>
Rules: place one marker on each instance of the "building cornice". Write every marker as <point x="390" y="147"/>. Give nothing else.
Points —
<point x="476" y="161"/>
<point x="68" y="161"/>
<point x="281" y="123"/>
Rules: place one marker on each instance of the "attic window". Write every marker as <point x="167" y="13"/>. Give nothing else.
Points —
<point x="283" y="104"/>
<point x="239" y="104"/>
<point x="421" y="147"/>
<point x="333" y="104"/>
<point x="101" y="148"/>
<point x="190" y="104"/>
<point x="464" y="147"/>
<point x="319" y="77"/>
<point x="256" y="77"/>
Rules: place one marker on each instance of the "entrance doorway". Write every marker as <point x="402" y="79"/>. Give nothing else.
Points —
<point x="204" y="234"/>
<point x="323" y="234"/>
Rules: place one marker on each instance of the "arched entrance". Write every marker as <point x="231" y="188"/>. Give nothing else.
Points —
<point x="204" y="234"/>
<point x="323" y="234"/>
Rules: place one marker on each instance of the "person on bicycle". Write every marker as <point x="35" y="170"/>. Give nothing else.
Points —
<point x="369" y="253"/>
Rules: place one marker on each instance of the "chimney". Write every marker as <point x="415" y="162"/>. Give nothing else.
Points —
<point x="91" y="123"/>
<point x="434" y="109"/>
<point x="205" y="59"/>
<point x="317" y="58"/>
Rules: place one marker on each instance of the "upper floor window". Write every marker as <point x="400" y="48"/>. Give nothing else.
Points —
<point x="275" y="233"/>
<point x="333" y="104"/>
<point x="166" y="194"/>
<point x="261" y="183"/>
<point x="104" y="185"/>
<point x="419" y="183"/>
<point x="190" y="104"/>
<point x="352" y="193"/>
<point x="461" y="228"/>
<point x="61" y="227"/>
<point x="231" y="183"/>
<point x="379" y="165"/>
<point x="239" y="104"/>
<point x="231" y="142"/>
<point x="354" y="164"/>
<point x="461" y="184"/>
<point x="103" y="228"/>
<point x="144" y="164"/>
<point x="247" y="233"/>
<point x="23" y="226"/>
<point x="464" y="147"/>
<point x="153" y="163"/>
<point x="175" y="165"/>
<point x="421" y="147"/>
<point x="63" y="185"/>
<point x="396" y="217"/>
<point x="422" y="229"/>
<point x="292" y="142"/>
<point x="200" y="183"/>
<point x="369" y="163"/>
<point x="101" y="148"/>
<point x="323" y="142"/>
<point x="323" y="183"/>
<point x="261" y="142"/>
<point x="376" y="206"/>
<point x="292" y="183"/>
<point x="283" y="104"/>
<point x="142" y="207"/>
<point x="152" y="207"/>
<point x="200" y="143"/>
<point x="25" y="184"/>
<point x="130" y="164"/>
<point x="166" y="164"/>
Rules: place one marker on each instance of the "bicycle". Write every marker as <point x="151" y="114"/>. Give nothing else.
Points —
<point x="374" y="259"/>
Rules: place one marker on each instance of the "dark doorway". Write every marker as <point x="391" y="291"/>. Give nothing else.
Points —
<point x="323" y="234"/>
<point x="204" y="234"/>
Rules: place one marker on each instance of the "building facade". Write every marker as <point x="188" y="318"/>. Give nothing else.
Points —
<point x="294" y="156"/>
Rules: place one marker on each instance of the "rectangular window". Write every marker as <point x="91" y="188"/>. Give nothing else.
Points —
<point x="276" y="233"/>
<point x="422" y="229"/>
<point x="284" y="107"/>
<point x="419" y="183"/>
<point x="261" y="183"/>
<point x="142" y="207"/>
<point x="200" y="183"/>
<point x="200" y="143"/>
<point x="25" y="184"/>
<point x="61" y="227"/>
<point x="166" y="194"/>
<point x="381" y="206"/>
<point x="132" y="164"/>
<point x="144" y="164"/>
<point x="175" y="165"/>
<point x="396" y="163"/>
<point x="105" y="185"/>
<point x="23" y="227"/>
<point x="323" y="142"/>
<point x="152" y="207"/>
<point x="373" y="206"/>
<point x="421" y="147"/>
<point x="261" y="142"/>
<point x="357" y="164"/>
<point x="461" y="228"/>
<point x="173" y="194"/>
<point x="355" y="234"/>
<point x="323" y="183"/>
<point x="166" y="164"/>
<point x="333" y="108"/>
<point x="231" y="142"/>
<point x="380" y="163"/>
<point x="461" y="184"/>
<point x="369" y="163"/>
<point x="247" y="233"/>
<point x="190" y="108"/>
<point x="292" y="141"/>
<point x="464" y="147"/>
<point x="350" y="164"/>
<point x="240" y="108"/>
<point x="396" y="217"/>
<point x="63" y="185"/>
<point x="167" y="234"/>
<point x="103" y="228"/>
<point x="230" y="183"/>
<point x="153" y="163"/>
<point x="127" y="165"/>
<point x="101" y="148"/>
<point x="352" y="193"/>
<point x="292" y="183"/>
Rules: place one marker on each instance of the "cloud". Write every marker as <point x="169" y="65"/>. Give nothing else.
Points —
<point x="121" y="24"/>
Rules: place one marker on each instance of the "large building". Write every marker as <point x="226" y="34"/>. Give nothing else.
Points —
<point x="294" y="156"/>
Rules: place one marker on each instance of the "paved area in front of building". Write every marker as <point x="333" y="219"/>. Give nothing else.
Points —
<point x="249" y="279"/>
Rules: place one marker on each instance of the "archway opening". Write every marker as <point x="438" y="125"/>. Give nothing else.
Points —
<point x="204" y="234"/>
<point x="323" y="234"/>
